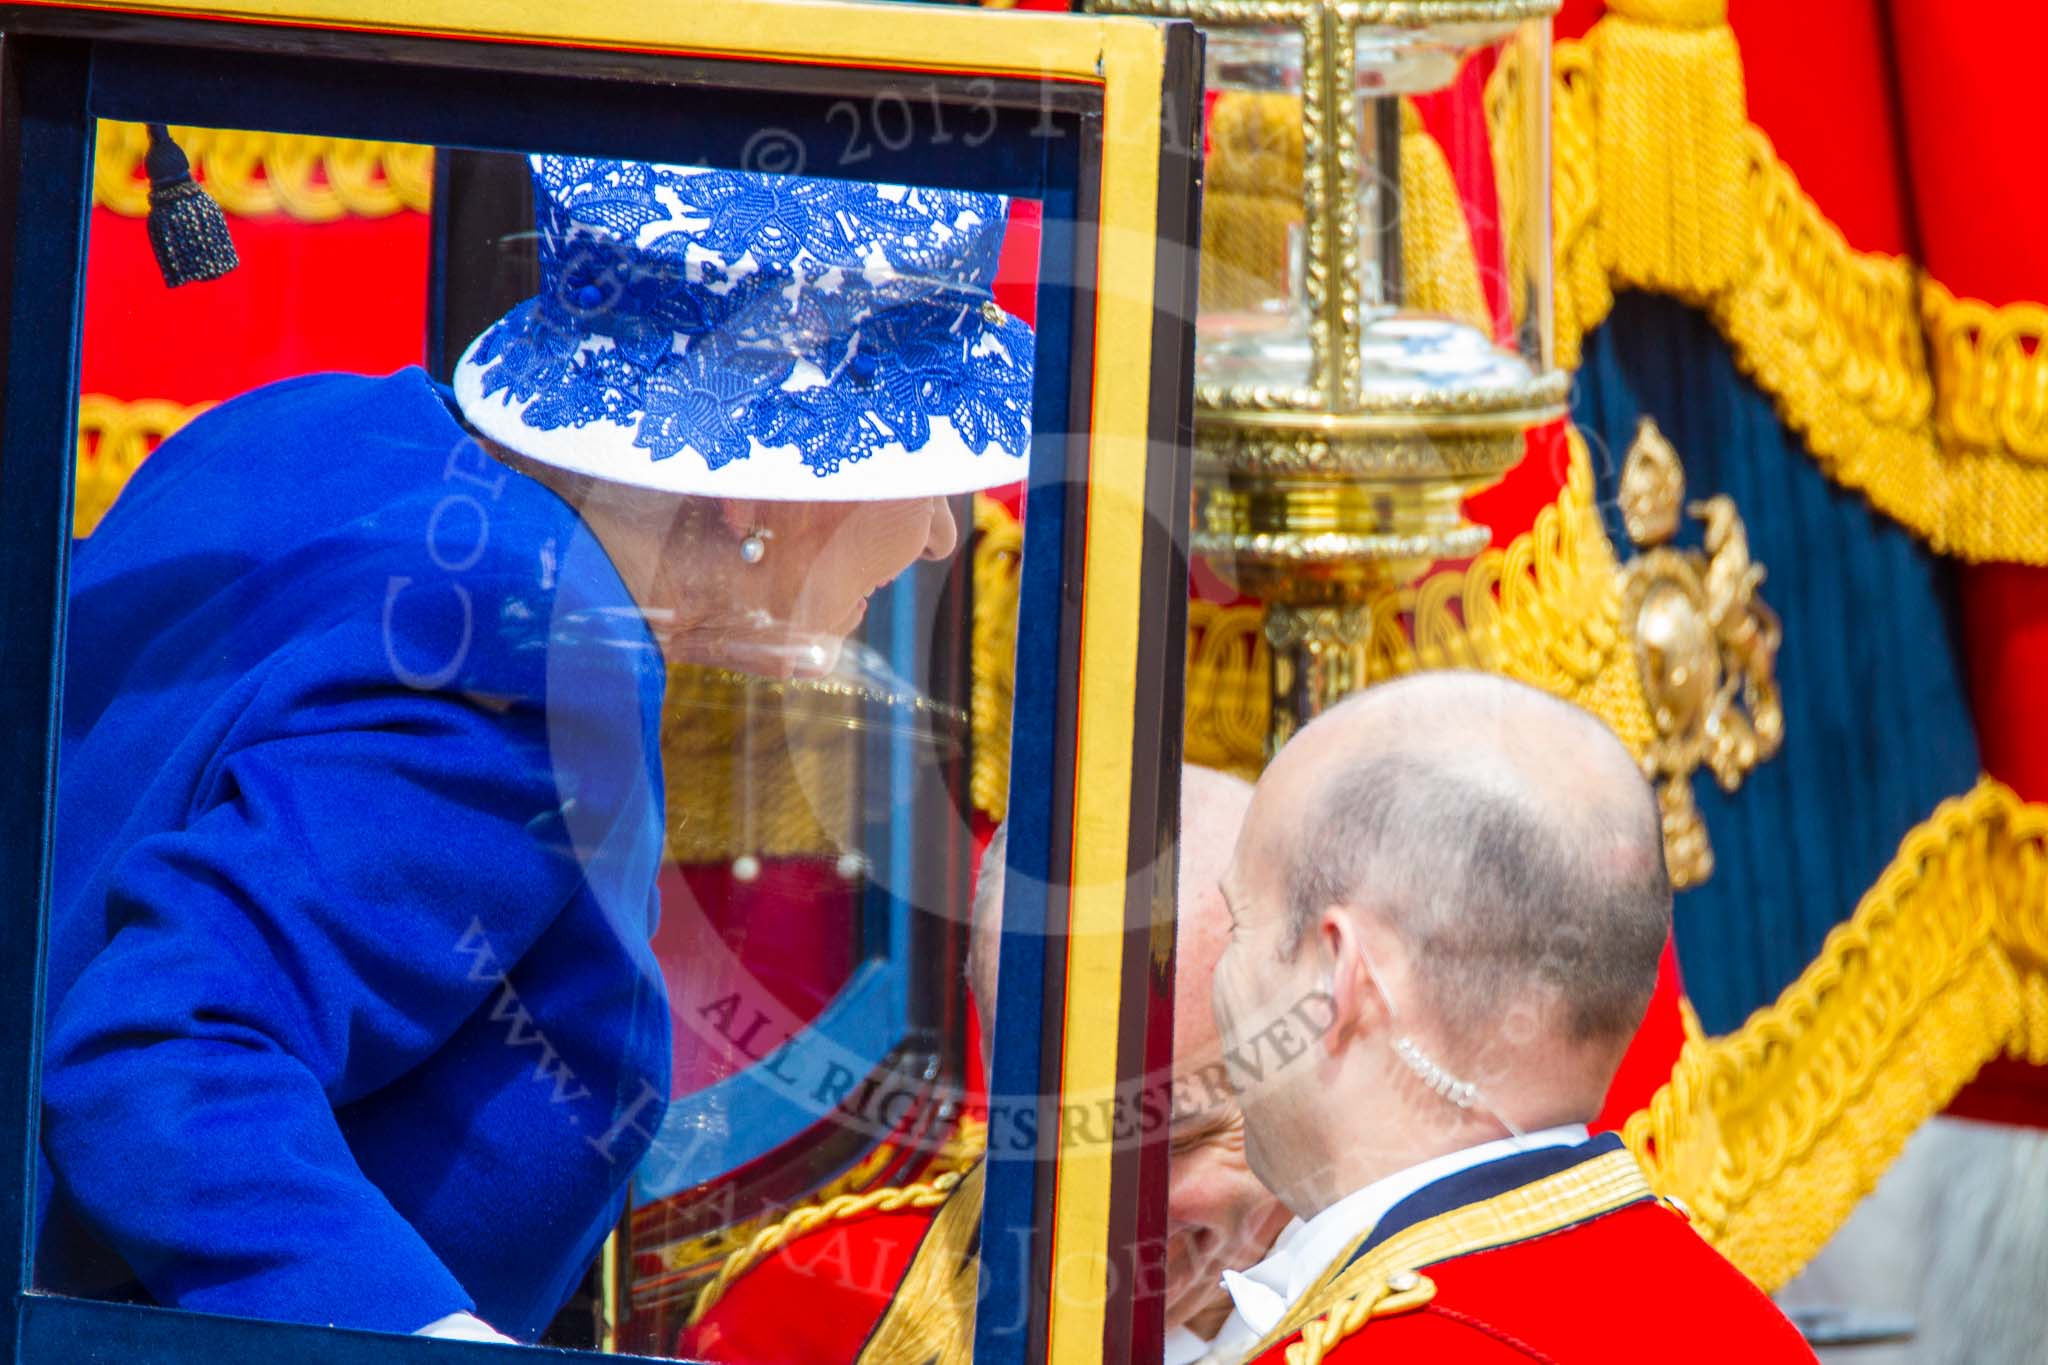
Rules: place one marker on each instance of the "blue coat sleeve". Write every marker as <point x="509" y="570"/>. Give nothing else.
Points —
<point x="296" y="945"/>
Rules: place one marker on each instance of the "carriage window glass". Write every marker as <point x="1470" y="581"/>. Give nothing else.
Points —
<point x="518" y="807"/>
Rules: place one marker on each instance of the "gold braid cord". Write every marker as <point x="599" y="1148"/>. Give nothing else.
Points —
<point x="259" y="175"/>
<point x="1991" y="372"/>
<point x="930" y="1319"/>
<point x="1379" y="1300"/>
<point x="1935" y="408"/>
<point x="801" y="1222"/>
<point x="1544" y="609"/>
<point x="691" y="1259"/>
<point x="1771" y="1134"/>
<point x="113" y="439"/>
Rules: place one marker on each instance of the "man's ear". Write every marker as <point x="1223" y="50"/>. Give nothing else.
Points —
<point x="1355" y="1003"/>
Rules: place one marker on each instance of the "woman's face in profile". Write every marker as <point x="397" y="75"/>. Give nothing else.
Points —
<point x="787" y="613"/>
<point x="843" y="552"/>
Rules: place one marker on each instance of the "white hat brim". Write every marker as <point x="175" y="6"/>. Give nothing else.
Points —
<point x="941" y="467"/>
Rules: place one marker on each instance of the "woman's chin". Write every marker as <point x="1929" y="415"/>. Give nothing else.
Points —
<point x="818" y="657"/>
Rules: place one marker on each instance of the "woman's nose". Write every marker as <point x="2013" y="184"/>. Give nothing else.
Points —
<point x="945" y="532"/>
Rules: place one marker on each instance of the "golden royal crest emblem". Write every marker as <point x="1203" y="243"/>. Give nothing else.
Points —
<point x="1706" y="643"/>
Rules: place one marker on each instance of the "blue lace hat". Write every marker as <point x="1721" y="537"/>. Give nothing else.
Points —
<point x="734" y="334"/>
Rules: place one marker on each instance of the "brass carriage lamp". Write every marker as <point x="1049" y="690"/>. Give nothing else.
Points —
<point x="1375" y="337"/>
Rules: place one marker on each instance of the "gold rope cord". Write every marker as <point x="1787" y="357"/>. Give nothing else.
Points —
<point x="1771" y="1134"/>
<point x="113" y="440"/>
<point x="1378" y="1300"/>
<point x="1228" y="697"/>
<point x="1991" y="372"/>
<point x="1503" y="107"/>
<point x="809" y="1217"/>
<point x="259" y="175"/>
<point x="1661" y="183"/>
<point x="689" y="1260"/>
<point x="924" y="1194"/>
<point x="1580" y="288"/>
<point x="930" y="1320"/>
<point x="694" y="1257"/>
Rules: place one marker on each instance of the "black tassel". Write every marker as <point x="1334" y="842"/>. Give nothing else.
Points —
<point x="186" y="228"/>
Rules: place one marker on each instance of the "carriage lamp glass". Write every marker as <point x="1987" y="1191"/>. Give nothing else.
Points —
<point x="1374" y="337"/>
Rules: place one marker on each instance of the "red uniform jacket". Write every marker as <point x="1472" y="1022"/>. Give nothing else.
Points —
<point x="1559" y="1256"/>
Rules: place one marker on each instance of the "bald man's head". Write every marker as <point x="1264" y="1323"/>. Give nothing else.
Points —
<point x="1505" y="836"/>
<point x="1219" y="1217"/>
<point x="1212" y="806"/>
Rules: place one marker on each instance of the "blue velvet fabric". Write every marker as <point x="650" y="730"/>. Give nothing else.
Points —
<point x="1877" y="725"/>
<point x="352" y="1014"/>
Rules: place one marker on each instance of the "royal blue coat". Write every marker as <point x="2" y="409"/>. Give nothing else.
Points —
<point x="352" y="1015"/>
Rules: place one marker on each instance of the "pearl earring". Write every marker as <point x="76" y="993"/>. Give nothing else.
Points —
<point x="754" y="548"/>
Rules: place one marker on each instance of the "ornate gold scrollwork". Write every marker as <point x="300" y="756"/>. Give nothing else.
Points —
<point x="1702" y="636"/>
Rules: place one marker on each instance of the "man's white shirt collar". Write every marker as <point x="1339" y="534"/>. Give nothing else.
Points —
<point x="1302" y="1252"/>
<point x="1232" y="1343"/>
<point x="1184" y="1347"/>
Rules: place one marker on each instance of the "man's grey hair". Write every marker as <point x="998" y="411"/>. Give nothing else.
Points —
<point x="1500" y="891"/>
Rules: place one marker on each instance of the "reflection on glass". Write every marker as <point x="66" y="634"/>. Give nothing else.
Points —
<point x="1446" y="235"/>
<point x="1254" y="318"/>
<point x="477" y="799"/>
<point x="1447" y="129"/>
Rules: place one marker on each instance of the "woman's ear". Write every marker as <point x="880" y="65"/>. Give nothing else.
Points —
<point x="740" y="515"/>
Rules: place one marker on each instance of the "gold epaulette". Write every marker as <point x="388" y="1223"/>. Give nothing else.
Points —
<point x="1401" y="1292"/>
<point x="1576" y="1195"/>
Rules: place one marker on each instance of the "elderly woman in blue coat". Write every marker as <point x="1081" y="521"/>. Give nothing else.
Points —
<point x="352" y="1014"/>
